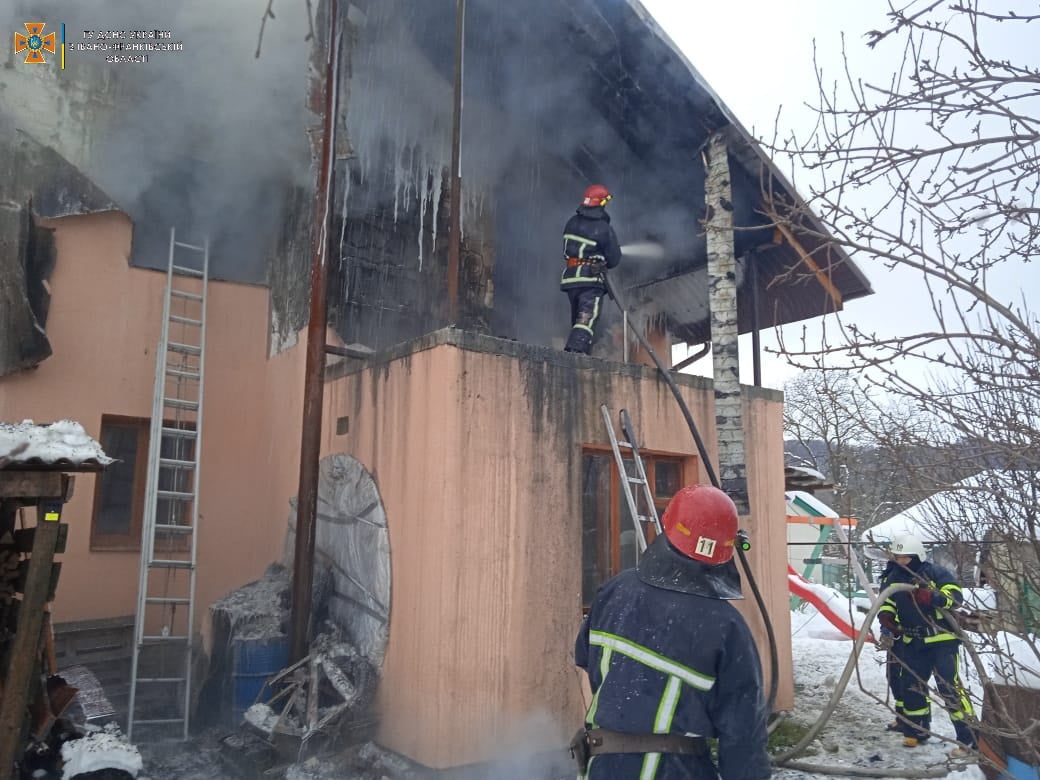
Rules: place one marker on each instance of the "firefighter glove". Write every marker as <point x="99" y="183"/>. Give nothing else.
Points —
<point x="885" y="641"/>
<point x="927" y="597"/>
<point x="888" y="623"/>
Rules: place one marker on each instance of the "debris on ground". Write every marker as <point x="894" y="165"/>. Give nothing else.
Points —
<point x="195" y="759"/>
<point x="105" y="748"/>
<point x="320" y="699"/>
<point x="259" y="609"/>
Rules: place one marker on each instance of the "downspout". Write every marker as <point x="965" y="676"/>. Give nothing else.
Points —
<point x="455" y="193"/>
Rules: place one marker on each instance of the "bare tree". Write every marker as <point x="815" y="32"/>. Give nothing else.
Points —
<point x="932" y="167"/>
<point x="871" y="445"/>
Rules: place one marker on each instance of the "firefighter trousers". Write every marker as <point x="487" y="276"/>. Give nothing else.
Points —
<point x="941" y="660"/>
<point x="585" y="307"/>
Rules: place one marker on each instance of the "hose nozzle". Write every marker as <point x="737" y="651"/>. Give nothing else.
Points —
<point x="743" y="542"/>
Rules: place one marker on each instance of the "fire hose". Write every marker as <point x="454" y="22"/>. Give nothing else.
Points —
<point x="785" y="759"/>
<point x="742" y="542"/>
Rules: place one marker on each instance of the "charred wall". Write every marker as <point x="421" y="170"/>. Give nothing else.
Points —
<point x="26" y="260"/>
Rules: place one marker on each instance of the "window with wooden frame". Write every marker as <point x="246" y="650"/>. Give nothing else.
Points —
<point x="608" y="534"/>
<point x="119" y="489"/>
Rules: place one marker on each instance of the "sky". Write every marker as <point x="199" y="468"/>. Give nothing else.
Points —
<point x="758" y="88"/>
<point x="764" y="72"/>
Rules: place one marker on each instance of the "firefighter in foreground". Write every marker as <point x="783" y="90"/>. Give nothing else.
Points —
<point x="670" y="663"/>
<point x="589" y="248"/>
<point x="927" y="645"/>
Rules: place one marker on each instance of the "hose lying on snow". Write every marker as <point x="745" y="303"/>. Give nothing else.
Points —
<point x="839" y="689"/>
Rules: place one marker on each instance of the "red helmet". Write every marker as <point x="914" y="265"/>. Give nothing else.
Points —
<point x="596" y="195"/>
<point x="701" y="522"/>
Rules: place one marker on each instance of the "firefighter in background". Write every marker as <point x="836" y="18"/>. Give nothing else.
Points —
<point x="589" y="248"/>
<point x="928" y="645"/>
<point x="670" y="663"/>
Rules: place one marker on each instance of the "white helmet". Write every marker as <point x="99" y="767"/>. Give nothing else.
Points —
<point x="907" y="544"/>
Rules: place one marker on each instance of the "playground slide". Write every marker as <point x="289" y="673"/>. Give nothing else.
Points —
<point x="824" y="599"/>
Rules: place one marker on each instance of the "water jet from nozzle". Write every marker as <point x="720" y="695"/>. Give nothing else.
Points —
<point x="643" y="250"/>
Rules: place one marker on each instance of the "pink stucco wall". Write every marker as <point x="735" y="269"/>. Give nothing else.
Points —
<point x="104" y="325"/>
<point x="478" y="459"/>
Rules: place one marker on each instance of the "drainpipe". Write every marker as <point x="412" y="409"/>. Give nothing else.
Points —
<point x="455" y="194"/>
<point x="751" y="264"/>
<point x="314" y="379"/>
<point x="722" y="298"/>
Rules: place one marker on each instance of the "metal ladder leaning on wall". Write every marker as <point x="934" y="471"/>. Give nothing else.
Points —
<point x="162" y="659"/>
<point x="649" y="516"/>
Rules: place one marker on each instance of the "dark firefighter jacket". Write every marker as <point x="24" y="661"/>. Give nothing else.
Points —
<point x="914" y="619"/>
<point x="661" y="661"/>
<point x="588" y="238"/>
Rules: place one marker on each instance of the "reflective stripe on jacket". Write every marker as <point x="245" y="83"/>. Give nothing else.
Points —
<point x="588" y="238"/>
<point x="661" y="661"/>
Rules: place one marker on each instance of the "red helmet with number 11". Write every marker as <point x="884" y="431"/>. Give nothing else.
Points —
<point x="596" y="195"/>
<point x="701" y="523"/>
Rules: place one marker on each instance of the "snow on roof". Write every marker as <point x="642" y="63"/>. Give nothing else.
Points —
<point x="802" y="504"/>
<point x="811" y="502"/>
<point x="805" y="471"/>
<point x="1011" y="660"/>
<point x="965" y="511"/>
<point x="63" y="442"/>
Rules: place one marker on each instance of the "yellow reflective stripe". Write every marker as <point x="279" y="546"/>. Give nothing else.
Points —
<point x="966" y="708"/>
<point x="579" y="239"/>
<point x="887" y="608"/>
<point x="583" y="327"/>
<point x="945" y="636"/>
<point x="604" y="668"/>
<point x="914" y="713"/>
<point x="584" y="243"/>
<point x="648" y="657"/>
<point x="669" y="703"/>
<point x="650" y="763"/>
<point x="662" y="724"/>
<point x="595" y="315"/>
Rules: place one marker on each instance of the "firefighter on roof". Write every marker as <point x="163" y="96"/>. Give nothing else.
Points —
<point x="929" y="645"/>
<point x="589" y="248"/>
<point x="670" y="663"/>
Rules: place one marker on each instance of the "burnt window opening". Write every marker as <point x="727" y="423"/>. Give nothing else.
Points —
<point x="608" y="536"/>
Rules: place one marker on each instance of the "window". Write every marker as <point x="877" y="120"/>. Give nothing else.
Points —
<point x="119" y="489"/>
<point x="608" y="535"/>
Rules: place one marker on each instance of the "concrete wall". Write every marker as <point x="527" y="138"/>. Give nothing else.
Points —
<point x="104" y="324"/>
<point x="476" y="445"/>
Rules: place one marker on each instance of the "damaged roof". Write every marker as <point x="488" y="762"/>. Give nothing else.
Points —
<point x="666" y="112"/>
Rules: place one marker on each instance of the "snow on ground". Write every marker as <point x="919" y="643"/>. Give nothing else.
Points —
<point x="856" y="735"/>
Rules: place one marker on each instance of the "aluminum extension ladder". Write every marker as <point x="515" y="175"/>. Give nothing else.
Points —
<point x="162" y="660"/>
<point x="649" y="516"/>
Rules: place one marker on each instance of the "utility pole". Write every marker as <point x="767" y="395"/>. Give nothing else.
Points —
<point x="314" y="377"/>
<point x="455" y="192"/>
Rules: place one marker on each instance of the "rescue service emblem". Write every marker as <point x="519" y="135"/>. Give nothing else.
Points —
<point x="35" y="43"/>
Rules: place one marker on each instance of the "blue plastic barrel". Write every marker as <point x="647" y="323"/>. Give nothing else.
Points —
<point x="253" y="662"/>
<point x="1021" y="770"/>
